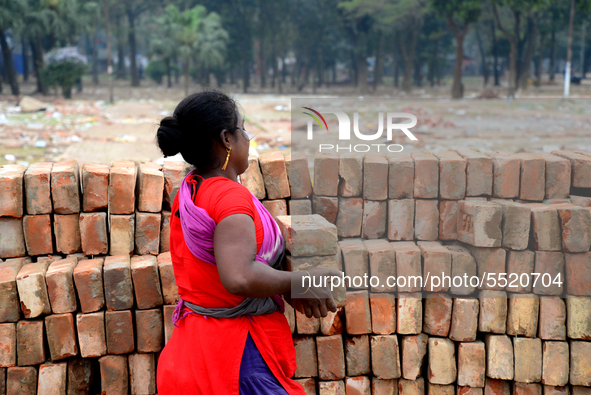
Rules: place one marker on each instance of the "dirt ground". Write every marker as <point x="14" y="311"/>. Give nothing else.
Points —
<point x="90" y="130"/>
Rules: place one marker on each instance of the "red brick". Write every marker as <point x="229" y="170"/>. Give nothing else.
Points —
<point x="552" y="319"/>
<point x="479" y="223"/>
<point x="436" y="262"/>
<point x="61" y="336"/>
<point x="88" y="277"/>
<point x="305" y="325"/>
<point x="52" y="378"/>
<point x="576" y="228"/>
<point x="555" y="363"/>
<point x="533" y="177"/>
<point x="409" y="313"/>
<point x="408" y="264"/>
<point x="60" y="285"/>
<point x="349" y="217"/>
<point x="520" y="265"/>
<point x="298" y="175"/>
<point x="527" y="389"/>
<point x="381" y="264"/>
<point x="528" y="359"/>
<point x="168" y="325"/>
<point x="551" y="390"/>
<point x="95" y="187"/>
<point x="38" y="236"/>
<point x="490" y="260"/>
<point x="375" y="177"/>
<point x="122" y="177"/>
<point x="558" y="176"/>
<point x="437" y="315"/>
<point x="30" y="343"/>
<point x="296" y="263"/>
<point x="426" y="175"/>
<point x="401" y="177"/>
<point x="146" y="282"/>
<point x="580" y="168"/>
<point x="150" y="332"/>
<point x="326" y="174"/>
<point x="351" y="175"/>
<point x="383" y="313"/>
<point x="11" y="190"/>
<point x="385" y="356"/>
<point x="452" y="175"/>
<point x="142" y="374"/>
<point x="306" y="360"/>
<point x="147" y="233"/>
<point x="578" y="274"/>
<point x="357" y="313"/>
<point x="426" y="219"/>
<point x="375" y="214"/>
<point x="327" y="207"/>
<point x="150" y="184"/>
<point x="357" y="355"/>
<point x="331" y="359"/>
<point x="437" y="389"/>
<point x="275" y="175"/>
<point x="582" y="201"/>
<point x="332" y="324"/>
<point x="493" y="311"/>
<point x="464" y="321"/>
<point x="383" y="386"/>
<point x="471" y="364"/>
<point x="545" y="228"/>
<point x="496" y="387"/>
<point x="275" y="207"/>
<point x="38" y="188"/>
<point x="91" y="334"/>
<point x="309" y="235"/>
<point x="32" y="290"/>
<point x="165" y="232"/>
<point x="522" y="315"/>
<point x="300" y="207"/>
<point x="7" y="345"/>
<point x="170" y="291"/>
<point x="358" y="385"/>
<point x="9" y="302"/>
<point x="506" y="169"/>
<point x="114" y="375"/>
<point x="448" y="220"/>
<point x="411" y="387"/>
<point x="309" y="385"/>
<point x="414" y="351"/>
<point x="173" y="172"/>
<point x="65" y="190"/>
<point x="12" y="238"/>
<point x="462" y="264"/>
<point x="578" y="324"/>
<point x="119" y="332"/>
<point x="442" y="361"/>
<point x="121" y="234"/>
<point x="401" y="215"/>
<point x="516" y="224"/>
<point x="331" y="387"/>
<point x="93" y="233"/>
<point x="580" y="363"/>
<point x="21" y="380"/>
<point x="552" y="264"/>
<point x="117" y="280"/>
<point x="67" y="233"/>
<point x="499" y="357"/>
<point x="479" y="172"/>
<point x="252" y="179"/>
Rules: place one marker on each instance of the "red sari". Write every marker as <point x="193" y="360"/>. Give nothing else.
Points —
<point x="203" y="354"/>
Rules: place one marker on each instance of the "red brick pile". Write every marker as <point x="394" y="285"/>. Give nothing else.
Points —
<point x="87" y="288"/>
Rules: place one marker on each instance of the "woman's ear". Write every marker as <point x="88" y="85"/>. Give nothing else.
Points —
<point x="225" y="138"/>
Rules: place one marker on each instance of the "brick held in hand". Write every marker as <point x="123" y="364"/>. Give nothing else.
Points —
<point x="114" y="374"/>
<point x="88" y="278"/>
<point x="9" y="301"/>
<point x="95" y="187"/>
<point x="52" y="378"/>
<point x="350" y="175"/>
<point x="479" y="172"/>
<point x="11" y="190"/>
<point x="32" y="290"/>
<point x="275" y="175"/>
<point x="119" y="332"/>
<point x="91" y="334"/>
<point x="142" y="373"/>
<point x="12" y="238"/>
<point x="580" y="168"/>
<point x="149" y="330"/>
<point x="61" y="336"/>
<point x="150" y="183"/>
<point x="38" y="235"/>
<point x="174" y="172"/>
<point x="7" y="345"/>
<point x="252" y="178"/>
<point x="426" y="182"/>
<point x="298" y="174"/>
<point x="37" y="180"/>
<point x="170" y="291"/>
<point x="60" y="285"/>
<point x="146" y="281"/>
<point x="30" y="343"/>
<point x="21" y="380"/>
<point x="122" y="178"/>
<point x="331" y="357"/>
<point x="306" y="359"/>
<point x="147" y="233"/>
<point x="118" y="283"/>
<point x="65" y="188"/>
<point x="93" y="233"/>
<point x="308" y="235"/>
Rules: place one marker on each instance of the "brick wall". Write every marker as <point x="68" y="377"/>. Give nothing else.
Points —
<point x="84" y="259"/>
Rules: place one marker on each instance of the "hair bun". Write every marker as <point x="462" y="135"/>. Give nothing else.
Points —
<point x="170" y="137"/>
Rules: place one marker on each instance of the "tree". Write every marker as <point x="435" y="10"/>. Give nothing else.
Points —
<point x="10" y="12"/>
<point x="459" y="14"/>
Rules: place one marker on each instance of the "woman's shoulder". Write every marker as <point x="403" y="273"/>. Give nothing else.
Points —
<point x="221" y="197"/>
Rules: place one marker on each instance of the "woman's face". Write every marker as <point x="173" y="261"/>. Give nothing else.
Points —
<point x="240" y="151"/>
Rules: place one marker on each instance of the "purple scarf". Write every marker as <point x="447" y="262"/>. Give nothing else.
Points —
<point x="198" y="230"/>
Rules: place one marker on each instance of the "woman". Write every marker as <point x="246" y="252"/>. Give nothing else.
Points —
<point x="231" y="336"/>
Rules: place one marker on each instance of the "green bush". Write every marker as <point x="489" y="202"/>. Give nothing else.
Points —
<point x="63" y="68"/>
<point x="156" y="70"/>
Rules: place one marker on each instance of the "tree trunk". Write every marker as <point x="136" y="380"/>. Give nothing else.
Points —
<point x="263" y="66"/>
<point x="483" y="64"/>
<point x="513" y="42"/>
<point x="378" y="70"/>
<point x="495" y="55"/>
<point x="552" y="54"/>
<point x="539" y="60"/>
<point x="8" y="66"/>
<point x="94" y="49"/>
<point x="529" y="53"/>
<point x="25" y="59"/>
<point x="407" y="50"/>
<point x="135" y="79"/>
<point x="457" y="88"/>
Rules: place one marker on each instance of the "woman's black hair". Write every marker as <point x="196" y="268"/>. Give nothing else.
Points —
<point x="195" y="126"/>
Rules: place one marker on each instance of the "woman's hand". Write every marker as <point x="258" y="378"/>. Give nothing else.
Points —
<point x="315" y="300"/>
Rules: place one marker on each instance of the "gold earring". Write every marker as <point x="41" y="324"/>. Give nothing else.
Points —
<point x="227" y="158"/>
